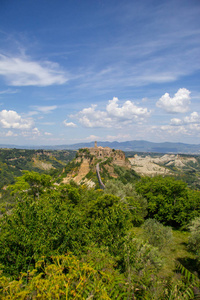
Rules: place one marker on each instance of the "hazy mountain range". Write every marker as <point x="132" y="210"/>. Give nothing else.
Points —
<point x="138" y="146"/>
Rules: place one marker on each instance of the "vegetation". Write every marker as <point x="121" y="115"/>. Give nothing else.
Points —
<point x="157" y="234"/>
<point x="14" y="161"/>
<point x="170" y="201"/>
<point x="194" y="240"/>
<point x="137" y="239"/>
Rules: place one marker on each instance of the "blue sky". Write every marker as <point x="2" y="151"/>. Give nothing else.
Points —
<point x="83" y="70"/>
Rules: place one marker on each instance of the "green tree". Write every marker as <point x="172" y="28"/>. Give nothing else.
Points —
<point x="108" y="219"/>
<point x="37" y="228"/>
<point x="169" y="200"/>
<point x="32" y="183"/>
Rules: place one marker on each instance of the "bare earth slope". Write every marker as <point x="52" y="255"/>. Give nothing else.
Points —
<point x="147" y="166"/>
<point x="152" y="166"/>
<point x="82" y="172"/>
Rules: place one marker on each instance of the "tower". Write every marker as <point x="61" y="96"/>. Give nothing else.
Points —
<point x="95" y="144"/>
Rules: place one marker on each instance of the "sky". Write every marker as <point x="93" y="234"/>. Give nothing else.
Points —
<point x="76" y="71"/>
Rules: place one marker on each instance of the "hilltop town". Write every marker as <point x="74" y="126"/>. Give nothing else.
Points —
<point x="87" y="159"/>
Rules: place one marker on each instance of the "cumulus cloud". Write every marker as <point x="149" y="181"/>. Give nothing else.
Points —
<point x="178" y="104"/>
<point x="189" y="125"/>
<point x="11" y="119"/>
<point x="90" y="117"/>
<point x="191" y="119"/>
<point x="21" y="71"/>
<point x="127" y="112"/>
<point x="176" y="122"/>
<point x="36" y="131"/>
<point x="69" y="124"/>
<point x="113" y="115"/>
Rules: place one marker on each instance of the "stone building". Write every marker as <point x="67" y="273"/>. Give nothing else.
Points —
<point x="106" y="152"/>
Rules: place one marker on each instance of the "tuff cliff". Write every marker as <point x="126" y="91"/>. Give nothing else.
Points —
<point x="87" y="159"/>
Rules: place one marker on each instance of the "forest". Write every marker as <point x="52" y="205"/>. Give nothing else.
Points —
<point x="139" y="238"/>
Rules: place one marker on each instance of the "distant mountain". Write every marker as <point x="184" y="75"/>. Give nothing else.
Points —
<point x="137" y="146"/>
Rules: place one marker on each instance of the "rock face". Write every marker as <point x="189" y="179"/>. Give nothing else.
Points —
<point x="88" y="158"/>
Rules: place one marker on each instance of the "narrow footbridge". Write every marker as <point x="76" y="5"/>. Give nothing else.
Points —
<point x="102" y="186"/>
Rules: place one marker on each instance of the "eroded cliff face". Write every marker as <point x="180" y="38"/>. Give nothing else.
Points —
<point x="89" y="157"/>
<point x="168" y="164"/>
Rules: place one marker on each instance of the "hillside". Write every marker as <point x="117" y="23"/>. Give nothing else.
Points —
<point x="14" y="161"/>
<point x="185" y="167"/>
<point x="112" y="164"/>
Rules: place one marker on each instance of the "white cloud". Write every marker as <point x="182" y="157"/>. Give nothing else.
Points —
<point x="11" y="119"/>
<point x="178" y="104"/>
<point x="113" y="115"/>
<point x="176" y="122"/>
<point x="189" y="125"/>
<point x="21" y="71"/>
<point x="127" y="112"/>
<point x="48" y="133"/>
<point x="69" y="124"/>
<point x="45" y="109"/>
<point x="89" y="117"/>
<point x="10" y="133"/>
<point x="190" y="130"/>
<point x="36" y="131"/>
<point x="193" y="118"/>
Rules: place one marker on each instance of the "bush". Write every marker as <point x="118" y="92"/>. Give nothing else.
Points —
<point x="142" y="262"/>
<point x="136" y="203"/>
<point x="194" y="239"/>
<point x="157" y="234"/>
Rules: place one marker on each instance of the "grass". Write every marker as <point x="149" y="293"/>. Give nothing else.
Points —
<point x="175" y="251"/>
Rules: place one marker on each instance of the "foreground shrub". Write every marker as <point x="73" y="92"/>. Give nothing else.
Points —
<point x="194" y="239"/>
<point x="157" y="234"/>
<point x="64" y="278"/>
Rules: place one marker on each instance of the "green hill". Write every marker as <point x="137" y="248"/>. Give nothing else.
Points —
<point x="14" y="161"/>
